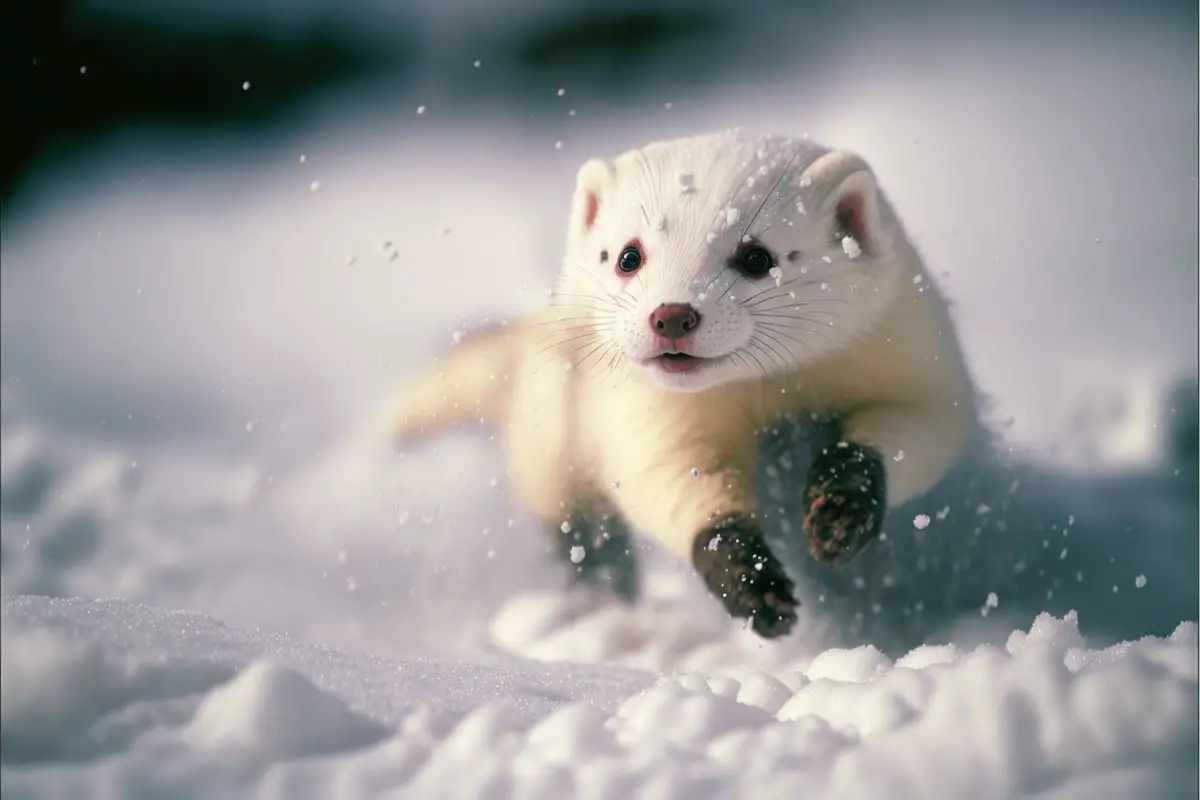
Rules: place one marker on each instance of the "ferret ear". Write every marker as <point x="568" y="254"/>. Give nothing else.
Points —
<point x="848" y="196"/>
<point x="590" y="183"/>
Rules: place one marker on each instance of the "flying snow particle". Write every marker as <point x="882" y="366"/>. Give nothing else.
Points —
<point x="457" y="337"/>
<point x="303" y="158"/>
<point x="314" y="186"/>
<point x="731" y="216"/>
<point x="250" y="426"/>
<point x="992" y="601"/>
<point x="899" y="456"/>
<point x="917" y="279"/>
<point x="478" y="64"/>
<point x="668" y="105"/>
<point x="565" y="527"/>
<point x="558" y="145"/>
<point x="1140" y="581"/>
<point x="800" y="208"/>
<point x="921" y="521"/>
<point x="245" y="86"/>
<point x="713" y="543"/>
<point x="420" y="110"/>
<point x="577" y="554"/>
<point x="851" y="247"/>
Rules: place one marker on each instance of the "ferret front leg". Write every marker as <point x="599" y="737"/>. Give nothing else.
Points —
<point x="706" y="514"/>
<point x="600" y="551"/>
<point x="886" y="455"/>
<point x="739" y="569"/>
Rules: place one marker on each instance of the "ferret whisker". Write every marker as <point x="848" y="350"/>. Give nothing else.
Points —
<point x="814" y="331"/>
<point x="769" y="341"/>
<point x="619" y="301"/>
<point x="750" y="353"/>
<point x="765" y="315"/>
<point x="779" y="332"/>
<point x="569" y="340"/>
<point x="766" y="197"/>
<point x="582" y="361"/>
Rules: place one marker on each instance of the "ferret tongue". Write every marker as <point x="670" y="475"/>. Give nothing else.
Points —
<point x="677" y="364"/>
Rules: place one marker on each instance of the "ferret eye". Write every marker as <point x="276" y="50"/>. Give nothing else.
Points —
<point x="630" y="259"/>
<point x="753" y="261"/>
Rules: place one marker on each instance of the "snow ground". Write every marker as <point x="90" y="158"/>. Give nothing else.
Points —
<point x="218" y="580"/>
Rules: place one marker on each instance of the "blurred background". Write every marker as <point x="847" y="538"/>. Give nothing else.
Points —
<point x="231" y="230"/>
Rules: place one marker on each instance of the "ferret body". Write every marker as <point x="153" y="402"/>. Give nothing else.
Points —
<point x="711" y="288"/>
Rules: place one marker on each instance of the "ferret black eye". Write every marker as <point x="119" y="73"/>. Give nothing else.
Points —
<point x="630" y="260"/>
<point x="754" y="261"/>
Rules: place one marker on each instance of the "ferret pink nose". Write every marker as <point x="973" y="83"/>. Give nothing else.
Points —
<point x="674" y="320"/>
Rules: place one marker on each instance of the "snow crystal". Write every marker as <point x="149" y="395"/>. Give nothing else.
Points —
<point x="921" y="521"/>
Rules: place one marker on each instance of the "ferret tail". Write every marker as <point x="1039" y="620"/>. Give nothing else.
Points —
<point x="469" y="383"/>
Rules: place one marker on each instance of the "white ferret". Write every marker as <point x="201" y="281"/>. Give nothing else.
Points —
<point x="713" y="287"/>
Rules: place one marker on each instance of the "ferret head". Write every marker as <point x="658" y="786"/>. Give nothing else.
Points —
<point x="715" y="259"/>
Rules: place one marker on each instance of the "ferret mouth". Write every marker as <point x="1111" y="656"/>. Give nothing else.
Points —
<point x="677" y="362"/>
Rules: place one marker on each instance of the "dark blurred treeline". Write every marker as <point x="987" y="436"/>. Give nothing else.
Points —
<point x="71" y="73"/>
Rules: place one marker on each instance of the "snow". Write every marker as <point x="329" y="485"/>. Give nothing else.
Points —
<point x="131" y="699"/>
<point x="219" y="580"/>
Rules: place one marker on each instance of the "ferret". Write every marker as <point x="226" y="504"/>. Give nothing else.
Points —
<point x="713" y="287"/>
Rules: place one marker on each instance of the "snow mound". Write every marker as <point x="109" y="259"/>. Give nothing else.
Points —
<point x="271" y="713"/>
<point x="125" y="700"/>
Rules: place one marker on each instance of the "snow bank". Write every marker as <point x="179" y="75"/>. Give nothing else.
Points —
<point x="126" y="699"/>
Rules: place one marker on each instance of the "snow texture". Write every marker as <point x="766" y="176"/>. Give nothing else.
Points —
<point x="134" y="701"/>
<point x="219" y="581"/>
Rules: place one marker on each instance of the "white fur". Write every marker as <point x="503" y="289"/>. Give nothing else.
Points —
<point x="863" y="335"/>
<point x="690" y="203"/>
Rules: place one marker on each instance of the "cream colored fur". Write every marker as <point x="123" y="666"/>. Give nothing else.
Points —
<point x="587" y="424"/>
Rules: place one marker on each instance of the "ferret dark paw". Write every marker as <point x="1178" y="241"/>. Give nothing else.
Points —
<point x="846" y="498"/>
<point x="740" y="570"/>
<point x="601" y="554"/>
